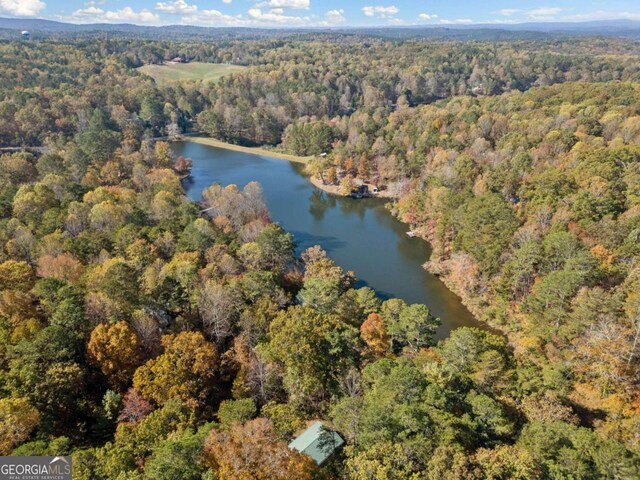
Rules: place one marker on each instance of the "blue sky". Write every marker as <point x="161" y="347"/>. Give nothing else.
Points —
<point x="288" y="13"/>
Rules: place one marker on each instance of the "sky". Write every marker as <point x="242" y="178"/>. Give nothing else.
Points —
<point x="319" y="13"/>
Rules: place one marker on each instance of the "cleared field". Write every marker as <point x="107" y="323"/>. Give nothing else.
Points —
<point x="210" y="72"/>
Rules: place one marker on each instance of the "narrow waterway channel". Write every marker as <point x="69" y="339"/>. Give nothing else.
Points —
<point x="360" y="235"/>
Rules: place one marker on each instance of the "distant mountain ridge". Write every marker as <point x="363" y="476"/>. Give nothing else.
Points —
<point x="9" y="27"/>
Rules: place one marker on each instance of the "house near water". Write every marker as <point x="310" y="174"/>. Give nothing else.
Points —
<point x="360" y="192"/>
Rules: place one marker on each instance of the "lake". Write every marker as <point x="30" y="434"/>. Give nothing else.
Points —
<point x="360" y="235"/>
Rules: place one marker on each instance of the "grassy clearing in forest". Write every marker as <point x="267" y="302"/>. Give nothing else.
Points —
<point x="208" y="72"/>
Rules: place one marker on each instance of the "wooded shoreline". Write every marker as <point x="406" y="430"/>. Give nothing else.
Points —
<point x="332" y="189"/>
<point x="251" y="150"/>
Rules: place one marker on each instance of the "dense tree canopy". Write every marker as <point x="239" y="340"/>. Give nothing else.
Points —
<point x="150" y="336"/>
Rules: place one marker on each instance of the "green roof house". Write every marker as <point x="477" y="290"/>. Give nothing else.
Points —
<point x="318" y="442"/>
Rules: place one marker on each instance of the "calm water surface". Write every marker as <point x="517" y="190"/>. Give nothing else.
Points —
<point x="360" y="235"/>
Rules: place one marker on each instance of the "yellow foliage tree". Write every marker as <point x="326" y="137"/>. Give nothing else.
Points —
<point x="506" y="461"/>
<point x="17" y="420"/>
<point x="185" y="370"/>
<point x="115" y="349"/>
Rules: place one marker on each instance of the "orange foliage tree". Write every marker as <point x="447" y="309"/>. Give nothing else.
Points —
<point x="374" y="334"/>
<point x="63" y="267"/>
<point x="186" y="370"/>
<point x="251" y="451"/>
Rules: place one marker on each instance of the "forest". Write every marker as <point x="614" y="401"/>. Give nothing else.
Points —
<point x="152" y="337"/>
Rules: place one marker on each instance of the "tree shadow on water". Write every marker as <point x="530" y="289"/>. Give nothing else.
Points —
<point x="305" y="240"/>
<point x="319" y="203"/>
<point x="380" y="293"/>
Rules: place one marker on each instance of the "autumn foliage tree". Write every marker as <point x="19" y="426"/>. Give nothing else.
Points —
<point x="16" y="281"/>
<point x="17" y="420"/>
<point x="374" y="334"/>
<point x="186" y="370"/>
<point x="134" y="407"/>
<point x="251" y="451"/>
<point x="530" y="198"/>
<point x="63" y="266"/>
<point x="115" y="349"/>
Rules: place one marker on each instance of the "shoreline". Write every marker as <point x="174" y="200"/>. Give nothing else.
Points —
<point x="335" y="190"/>
<point x="316" y="182"/>
<point x="212" y="142"/>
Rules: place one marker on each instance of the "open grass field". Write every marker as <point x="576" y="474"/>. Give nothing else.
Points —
<point x="210" y="72"/>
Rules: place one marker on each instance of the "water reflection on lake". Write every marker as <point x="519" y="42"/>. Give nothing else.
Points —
<point x="360" y="235"/>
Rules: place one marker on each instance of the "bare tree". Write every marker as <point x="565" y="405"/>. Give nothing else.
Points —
<point x="218" y="306"/>
<point x="149" y="332"/>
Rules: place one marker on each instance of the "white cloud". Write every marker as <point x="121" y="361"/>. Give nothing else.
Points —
<point x="380" y="11"/>
<point x="602" y="15"/>
<point x="456" y="21"/>
<point x="213" y="18"/>
<point x="544" y="11"/>
<point x="126" y="14"/>
<point x="227" y="1"/>
<point x="334" y="17"/>
<point x="275" y="16"/>
<point x="88" y="12"/>
<point x="21" y="8"/>
<point x="255" y="17"/>
<point x="553" y="14"/>
<point x="427" y="16"/>
<point x="292" y="4"/>
<point x="507" y="12"/>
<point x="177" y="7"/>
<point x="541" y="13"/>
